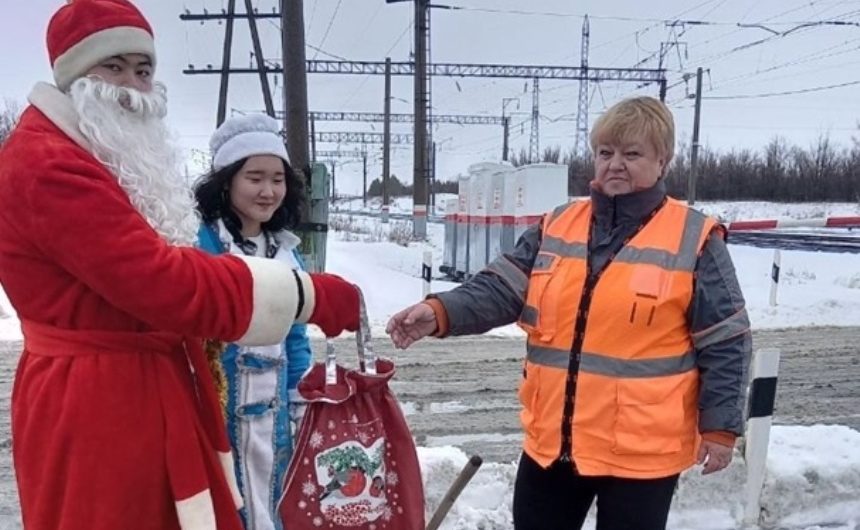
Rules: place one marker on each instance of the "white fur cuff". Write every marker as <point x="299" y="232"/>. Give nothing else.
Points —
<point x="276" y="300"/>
<point x="229" y="468"/>
<point x="196" y="512"/>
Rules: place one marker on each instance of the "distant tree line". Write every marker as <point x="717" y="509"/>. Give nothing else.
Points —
<point x="778" y="172"/>
<point x="398" y="189"/>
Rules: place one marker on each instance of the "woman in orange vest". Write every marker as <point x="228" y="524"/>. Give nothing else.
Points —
<point x="637" y="337"/>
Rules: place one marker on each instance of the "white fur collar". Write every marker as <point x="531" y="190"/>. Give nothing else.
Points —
<point x="58" y="107"/>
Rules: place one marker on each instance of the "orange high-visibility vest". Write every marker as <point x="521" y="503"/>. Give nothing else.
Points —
<point x="627" y="338"/>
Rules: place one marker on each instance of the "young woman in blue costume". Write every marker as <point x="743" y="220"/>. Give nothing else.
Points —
<point x="248" y="203"/>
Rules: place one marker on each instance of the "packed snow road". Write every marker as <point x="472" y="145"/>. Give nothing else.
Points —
<point x="461" y="391"/>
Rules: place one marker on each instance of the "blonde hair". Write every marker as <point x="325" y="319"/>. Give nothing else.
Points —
<point x="634" y="120"/>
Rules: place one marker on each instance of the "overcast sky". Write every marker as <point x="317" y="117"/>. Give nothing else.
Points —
<point x="744" y="63"/>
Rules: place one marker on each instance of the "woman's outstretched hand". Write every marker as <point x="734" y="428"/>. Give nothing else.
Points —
<point x="412" y="324"/>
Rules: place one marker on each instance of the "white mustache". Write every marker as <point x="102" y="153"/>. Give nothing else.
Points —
<point x="144" y="104"/>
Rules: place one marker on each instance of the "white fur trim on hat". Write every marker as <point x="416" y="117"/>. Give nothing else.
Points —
<point x="89" y="52"/>
<point x="244" y="136"/>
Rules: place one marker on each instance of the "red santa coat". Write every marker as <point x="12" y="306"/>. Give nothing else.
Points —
<point x="111" y="427"/>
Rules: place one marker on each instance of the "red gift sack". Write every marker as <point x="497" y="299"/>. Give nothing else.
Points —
<point x="354" y="464"/>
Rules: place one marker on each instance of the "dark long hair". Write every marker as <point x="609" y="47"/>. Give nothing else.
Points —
<point x="213" y="198"/>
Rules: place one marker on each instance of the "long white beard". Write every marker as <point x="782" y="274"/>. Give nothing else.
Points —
<point x="127" y="134"/>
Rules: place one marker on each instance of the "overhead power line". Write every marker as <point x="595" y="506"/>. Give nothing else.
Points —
<point x="690" y="22"/>
<point x="328" y="29"/>
<point x="787" y="92"/>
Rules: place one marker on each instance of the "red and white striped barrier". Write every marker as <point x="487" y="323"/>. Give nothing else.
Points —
<point x="768" y="224"/>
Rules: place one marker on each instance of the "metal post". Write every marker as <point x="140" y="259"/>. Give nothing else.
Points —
<point x="333" y="188"/>
<point x="313" y="139"/>
<point x="419" y="170"/>
<point x="774" y="276"/>
<point x="261" y="63"/>
<point x="225" y="63"/>
<point x="762" y="395"/>
<point x="427" y="272"/>
<point x="506" y="124"/>
<point x="694" y="154"/>
<point x="386" y="141"/>
<point x="432" y="183"/>
<point x="534" y="140"/>
<point x="295" y="83"/>
<point x="364" y="179"/>
<point x="580" y="145"/>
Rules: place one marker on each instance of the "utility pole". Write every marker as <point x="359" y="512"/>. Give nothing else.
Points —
<point x="364" y="178"/>
<point x="313" y="139"/>
<point x="580" y="146"/>
<point x="386" y="144"/>
<point x="333" y="188"/>
<point x="506" y="126"/>
<point x="694" y="153"/>
<point x="420" y="162"/>
<point x="295" y="83"/>
<point x="420" y="158"/>
<point x="225" y="63"/>
<point x="534" y="140"/>
<point x="314" y="224"/>
<point x="433" y="178"/>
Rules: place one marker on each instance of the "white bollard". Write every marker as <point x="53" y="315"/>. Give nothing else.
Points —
<point x="427" y="271"/>
<point x="774" y="277"/>
<point x="760" y="400"/>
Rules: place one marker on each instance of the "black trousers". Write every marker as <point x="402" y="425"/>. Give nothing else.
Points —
<point x="558" y="498"/>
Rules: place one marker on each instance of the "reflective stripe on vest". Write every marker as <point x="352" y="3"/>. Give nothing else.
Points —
<point x="635" y="409"/>
<point x="683" y="260"/>
<point x="515" y="278"/>
<point x="728" y="328"/>
<point x="596" y="363"/>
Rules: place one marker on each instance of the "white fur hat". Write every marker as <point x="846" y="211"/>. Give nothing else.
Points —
<point x="244" y="136"/>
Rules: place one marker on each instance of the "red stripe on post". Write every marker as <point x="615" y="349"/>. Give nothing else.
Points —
<point x="528" y="220"/>
<point x="842" y="222"/>
<point x="753" y="225"/>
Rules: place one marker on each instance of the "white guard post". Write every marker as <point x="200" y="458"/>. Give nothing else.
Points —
<point x="760" y="401"/>
<point x="427" y="271"/>
<point x="774" y="277"/>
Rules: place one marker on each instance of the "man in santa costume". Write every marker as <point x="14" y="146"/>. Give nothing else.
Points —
<point x="115" y="418"/>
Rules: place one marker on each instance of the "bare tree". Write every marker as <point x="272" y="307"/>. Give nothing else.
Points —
<point x="8" y="117"/>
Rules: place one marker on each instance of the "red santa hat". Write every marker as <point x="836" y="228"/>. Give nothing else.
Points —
<point x="83" y="33"/>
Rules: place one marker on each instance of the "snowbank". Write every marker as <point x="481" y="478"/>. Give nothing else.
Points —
<point x="813" y="481"/>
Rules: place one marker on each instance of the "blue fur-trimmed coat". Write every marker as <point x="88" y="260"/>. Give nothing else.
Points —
<point x="261" y="384"/>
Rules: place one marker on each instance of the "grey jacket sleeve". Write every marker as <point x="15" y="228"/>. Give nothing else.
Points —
<point x="722" y="339"/>
<point x="496" y="295"/>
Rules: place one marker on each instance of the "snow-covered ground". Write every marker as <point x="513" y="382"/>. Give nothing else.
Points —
<point x="813" y="473"/>
<point x="812" y="483"/>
